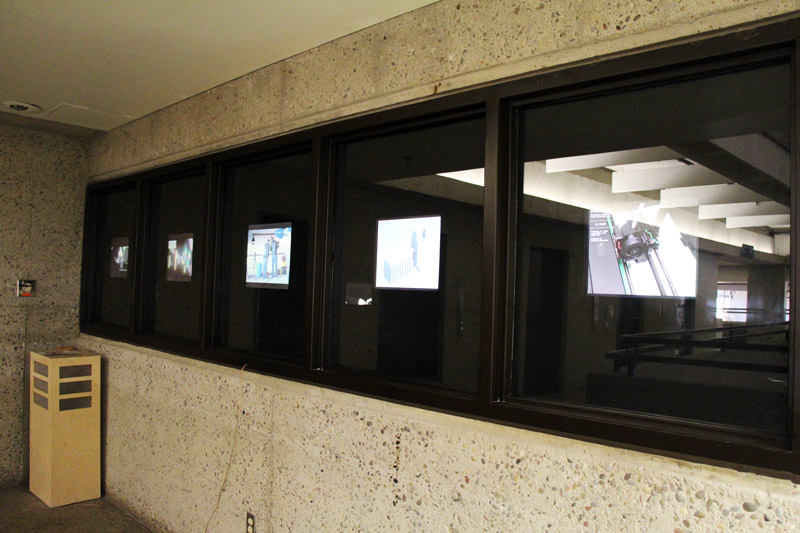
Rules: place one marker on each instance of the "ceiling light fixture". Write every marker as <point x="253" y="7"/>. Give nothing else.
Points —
<point x="21" y="107"/>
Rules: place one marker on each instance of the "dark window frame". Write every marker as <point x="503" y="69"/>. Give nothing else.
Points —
<point x="216" y="228"/>
<point x="457" y="114"/>
<point x="147" y="275"/>
<point x="690" y="440"/>
<point x="686" y="436"/>
<point x="93" y="263"/>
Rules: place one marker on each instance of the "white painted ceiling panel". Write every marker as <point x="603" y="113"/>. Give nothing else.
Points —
<point x="708" y="194"/>
<point x="623" y="157"/>
<point x="662" y="178"/>
<point x="128" y="59"/>
<point x="705" y="212"/>
<point x="757" y="220"/>
<point x="760" y="151"/>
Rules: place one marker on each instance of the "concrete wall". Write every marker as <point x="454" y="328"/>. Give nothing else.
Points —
<point x="42" y="180"/>
<point x="310" y="459"/>
<point x="448" y="45"/>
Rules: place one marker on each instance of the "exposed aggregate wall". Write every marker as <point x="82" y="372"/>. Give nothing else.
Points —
<point x="311" y="459"/>
<point x="42" y="180"/>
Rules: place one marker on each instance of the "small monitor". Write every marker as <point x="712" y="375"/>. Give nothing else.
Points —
<point x="179" y="256"/>
<point x="269" y="255"/>
<point x="407" y="253"/>
<point x="629" y="257"/>
<point x="118" y="264"/>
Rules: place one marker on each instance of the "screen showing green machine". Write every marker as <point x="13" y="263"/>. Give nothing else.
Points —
<point x="635" y="258"/>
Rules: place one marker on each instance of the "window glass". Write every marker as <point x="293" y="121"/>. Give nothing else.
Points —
<point x="268" y="208"/>
<point x="116" y="228"/>
<point x="175" y="251"/>
<point x="653" y="250"/>
<point x="407" y="268"/>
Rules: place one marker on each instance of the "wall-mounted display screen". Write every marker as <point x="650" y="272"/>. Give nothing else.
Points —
<point x="179" y="256"/>
<point x="630" y="257"/>
<point x="407" y="254"/>
<point x="118" y="265"/>
<point x="269" y="255"/>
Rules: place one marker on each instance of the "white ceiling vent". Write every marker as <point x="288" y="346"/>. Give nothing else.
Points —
<point x="89" y="118"/>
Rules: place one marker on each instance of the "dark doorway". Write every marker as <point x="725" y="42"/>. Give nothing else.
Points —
<point x="547" y="279"/>
<point x="410" y="330"/>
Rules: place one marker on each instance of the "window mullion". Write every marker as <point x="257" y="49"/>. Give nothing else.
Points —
<point x="495" y="223"/>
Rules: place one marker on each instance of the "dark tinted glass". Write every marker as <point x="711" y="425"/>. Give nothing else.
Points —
<point x="653" y="250"/>
<point x="116" y="228"/>
<point x="268" y="207"/>
<point x="409" y="226"/>
<point x="175" y="257"/>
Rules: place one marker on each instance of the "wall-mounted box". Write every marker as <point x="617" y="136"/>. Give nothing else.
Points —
<point x="26" y="288"/>
<point x="65" y="427"/>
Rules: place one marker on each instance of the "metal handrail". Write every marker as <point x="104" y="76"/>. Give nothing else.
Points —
<point x="631" y="356"/>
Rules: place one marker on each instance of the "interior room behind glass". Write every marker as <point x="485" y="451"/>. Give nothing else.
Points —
<point x="115" y="242"/>
<point x="174" y="270"/>
<point x="407" y="269"/>
<point x="653" y="249"/>
<point x="268" y="207"/>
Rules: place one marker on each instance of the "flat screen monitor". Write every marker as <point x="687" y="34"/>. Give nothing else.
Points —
<point x="179" y="256"/>
<point x="407" y="253"/>
<point x="628" y="257"/>
<point x="269" y="255"/>
<point x="118" y="265"/>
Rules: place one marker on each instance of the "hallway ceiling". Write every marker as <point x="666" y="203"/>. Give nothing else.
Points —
<point x="92" y="65"/>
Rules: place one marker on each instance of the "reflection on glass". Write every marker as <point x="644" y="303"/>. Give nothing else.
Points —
<point x="408" y="247"/>
<point x="173" y="292"/>
<point x="116" y="219"/>
<point x="628" y="256"/>
<point x="653" y="250"/>
<point x="265" y="247"/>
<point x="732" y="302"/>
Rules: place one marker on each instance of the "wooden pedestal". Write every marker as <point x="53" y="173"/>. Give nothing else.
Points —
<point x="65" y="427"/>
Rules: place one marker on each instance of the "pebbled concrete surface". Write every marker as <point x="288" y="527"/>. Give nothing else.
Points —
<point x="311" y="459"/>
<point x="42" y="182"/>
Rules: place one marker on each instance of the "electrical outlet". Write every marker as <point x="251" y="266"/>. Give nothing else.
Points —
<point x="251" y="523"/>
